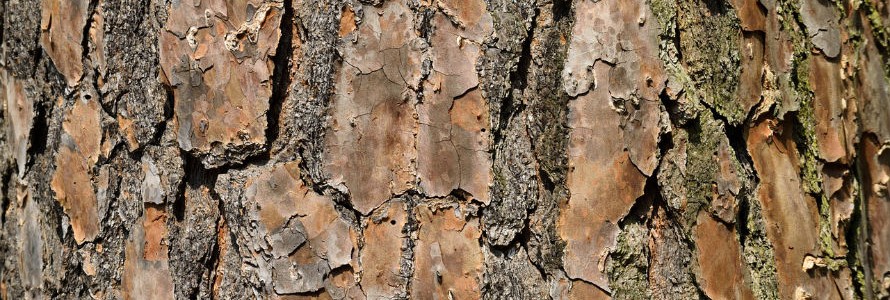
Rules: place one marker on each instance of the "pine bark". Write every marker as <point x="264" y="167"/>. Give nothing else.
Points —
<point x="460" y="149"/>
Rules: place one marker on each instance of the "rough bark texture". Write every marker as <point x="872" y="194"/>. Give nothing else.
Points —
<point x="447" y="149"/>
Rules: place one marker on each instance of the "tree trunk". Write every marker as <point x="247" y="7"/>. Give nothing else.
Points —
<point x="279" y="149"/>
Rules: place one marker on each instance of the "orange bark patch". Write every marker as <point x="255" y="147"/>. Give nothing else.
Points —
<point x="61" y="33"/>
<point x="830" y="110"/>
<point x="380" y="257"/>
<point x="220" y="75"/>
<point x="144" y="279"/>
<point x="751" y="17"/>
<point x="448" y="258"/>
<point x="82" y="124"/>
<point x="155" y="225"/>
<point x="71" y="181"/>
<point x="347" y="21"/>
<point x="129" y="130"/>
<point x="75" y="193"/>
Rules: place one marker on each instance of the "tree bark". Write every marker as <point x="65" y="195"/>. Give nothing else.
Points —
<point x="461" y="149"/>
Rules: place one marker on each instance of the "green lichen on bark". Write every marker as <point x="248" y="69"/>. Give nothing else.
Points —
<point x="703" y="131"/>
<point x="679" y="84"/>
<point x="880" y="30"/>
<point x="804" y="123"/>
<point x="709" y="34"/>
<point x="757" y="251"/>
<point x="810" y="165"/>
<point x="628" y="264"/>
<point x="705" y="137"/>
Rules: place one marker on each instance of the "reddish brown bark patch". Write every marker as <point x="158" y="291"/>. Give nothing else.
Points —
<point x="829" y="108"/>
<point x="750" y="88"/>
<point x="587" y="291"/>
<point x="790" y="215"/>
<point x="877" y="195"/>
<point x="721" y="271"/>
<point x="603" y="183"/>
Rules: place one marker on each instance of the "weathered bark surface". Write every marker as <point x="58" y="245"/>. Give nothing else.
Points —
<point x="279" y="149"/>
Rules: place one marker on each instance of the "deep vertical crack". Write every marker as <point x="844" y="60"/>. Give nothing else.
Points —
<point x="861" y="212"/>
<point x="281" y="77"/>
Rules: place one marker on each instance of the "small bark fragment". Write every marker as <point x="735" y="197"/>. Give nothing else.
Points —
<point x="820" y="19"/>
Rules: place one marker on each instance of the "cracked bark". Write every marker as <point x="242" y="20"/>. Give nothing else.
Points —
<point x="281" y="149"/>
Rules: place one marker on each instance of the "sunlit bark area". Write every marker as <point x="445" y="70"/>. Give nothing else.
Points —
<point x="445" y="149"/>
